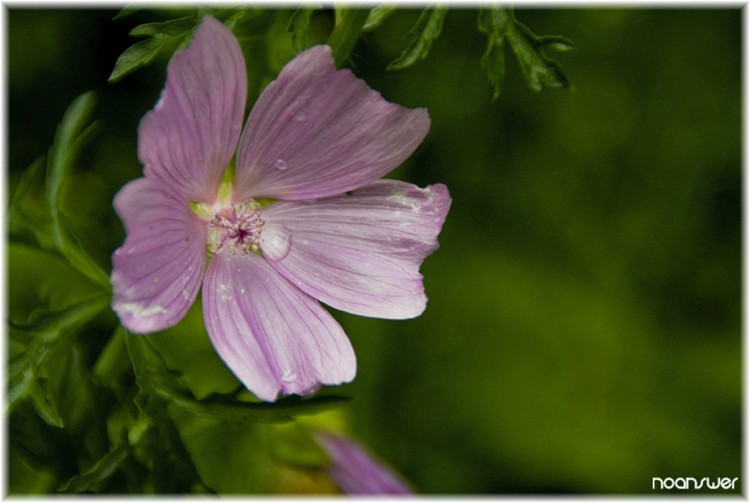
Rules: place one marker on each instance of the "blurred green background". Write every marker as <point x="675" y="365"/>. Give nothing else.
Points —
<point x="583" y="332"/>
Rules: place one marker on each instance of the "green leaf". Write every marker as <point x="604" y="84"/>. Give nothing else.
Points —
<point x="299" y="24"/>
<point x="293" y="444"/>
<point x="39" y="337"/>
<point x="94" y="478"/>
<point x="157" y="383"/>
<point x="283" y="410"/>
<point x="500" y="24"/>
<point x="493" y="60"/>
<point x="421" y="36"/>
<point x="21" y="221"/>
<point x="72" y="133"/>
<point x="126" y="11"/>
<point x="164" y="37"/>
<point x="376" y="17"/>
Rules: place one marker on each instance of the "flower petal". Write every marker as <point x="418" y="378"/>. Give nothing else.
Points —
<point x="359" y="252"/>
<point x="271" y="335"/>
<point x="189" y="137"/>
<point x="355" y="471"/>
<point x="157" y="272"/>
<point x="318" y="132"/>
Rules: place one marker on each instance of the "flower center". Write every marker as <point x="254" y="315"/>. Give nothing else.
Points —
<point x="235" y="228"/>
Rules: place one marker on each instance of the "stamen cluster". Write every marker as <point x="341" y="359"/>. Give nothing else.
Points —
<point x="235" y="228"/>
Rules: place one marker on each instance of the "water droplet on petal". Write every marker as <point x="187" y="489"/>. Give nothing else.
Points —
<point x="300" y="116"/>
<point x="276" y="244"/>
<point x="289" y="376"/>
<point x="280" y="164"/>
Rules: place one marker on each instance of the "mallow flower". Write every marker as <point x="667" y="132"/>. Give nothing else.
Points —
<point x="273" y="219"/>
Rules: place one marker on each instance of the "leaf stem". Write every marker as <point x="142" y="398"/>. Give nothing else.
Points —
<point x="344" y="36"/>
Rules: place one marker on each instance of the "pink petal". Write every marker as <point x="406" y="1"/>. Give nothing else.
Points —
<point x="157" y="271"/>
<point x="318" y="132"/>
<point x="359" y="252"/>
<point x="272" y="336"/>
<point x="355" y="471"/>
<point x="189" y="137"/>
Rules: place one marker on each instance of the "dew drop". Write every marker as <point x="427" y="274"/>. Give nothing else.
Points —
<point x="289" y="376"/>
<point x="280" y="164"/>
<point x="277" y="244"/>
<point x="300" y="116"/>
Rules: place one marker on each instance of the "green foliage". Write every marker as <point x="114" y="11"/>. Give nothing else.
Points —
<point x="500" y="24"/>
<point x="102" y="420"/>
<point x="346" y="33"/>
<point x="583" y="331"/>
<point x="299" y="24"/>
<point x="164" y="37"/>
<point x="49" y="228"/>
<point x="427" y="28"/>
<point x="376" y="17"/>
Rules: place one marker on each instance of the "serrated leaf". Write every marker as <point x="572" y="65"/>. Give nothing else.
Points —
<point x="164" y="36"/>
<point x="299" y="24"/>
<point x="493" y="59"/>
<point x="500" y="24"/>
<point x="428" y="27"/>
<point x="377" y="16"/>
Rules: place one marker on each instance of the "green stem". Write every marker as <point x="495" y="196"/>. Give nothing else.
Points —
<point x="345" y="35"/>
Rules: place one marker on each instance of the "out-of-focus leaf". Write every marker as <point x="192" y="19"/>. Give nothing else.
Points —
<point x="77" y="399"/>
<point x="500" y="24"/>
<point x="93" y="479"/>
<point x="186" y="349"/>
<point x="21" y="221"/>
<point x="164" y="36"/>
<point x="299" y="24"/>
<point x="126" y="11"/>
<point x="294" y="445"/>
<point x="49" y="229"/>
<point x="421" y="36"/>
<point x="39" y="337"/>
<point x="377" y="16"/>
<point x="112" y="362"/>
<point x="157" y="441"/>
<point x="72" y="133"/>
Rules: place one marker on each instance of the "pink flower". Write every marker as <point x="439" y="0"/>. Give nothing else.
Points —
<point x="357" y="472"/>
<point x="300" y="217"/>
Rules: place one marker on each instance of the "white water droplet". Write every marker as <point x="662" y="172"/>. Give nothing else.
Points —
<point x="280" y="164"/>
<point x="288" y="376"/>
<point x="300" y="116"/>
<point x="276" y="244"/>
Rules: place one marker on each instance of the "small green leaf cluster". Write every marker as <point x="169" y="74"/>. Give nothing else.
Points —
<point x="498" y="23"/>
